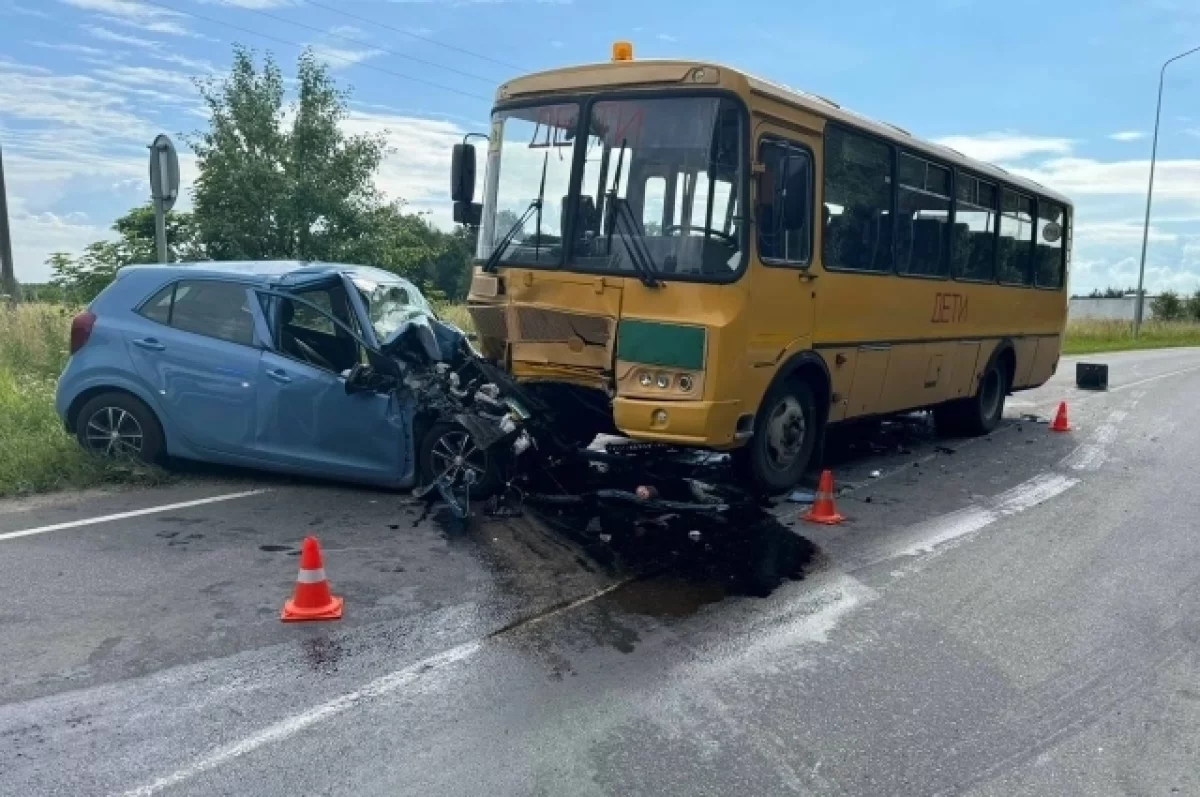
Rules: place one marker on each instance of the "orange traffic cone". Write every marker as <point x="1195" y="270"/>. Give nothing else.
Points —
<point x="1061" y="424"/>
<point x="312" y="599"/>
<point x="823" y="510"/>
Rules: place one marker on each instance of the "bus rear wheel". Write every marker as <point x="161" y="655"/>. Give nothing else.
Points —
<point x="785" y="433"/>
<point x="977" y="415"/>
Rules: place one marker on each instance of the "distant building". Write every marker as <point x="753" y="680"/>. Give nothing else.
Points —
<point x="1118" y="309"/>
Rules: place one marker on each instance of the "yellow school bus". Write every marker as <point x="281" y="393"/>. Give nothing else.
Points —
<point x="688" y="254"/>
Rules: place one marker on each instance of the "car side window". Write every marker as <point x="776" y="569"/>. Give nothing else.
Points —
<point x="158" y="308"/>
<point x="312" y="330"/>
<point x="211" y="308"/>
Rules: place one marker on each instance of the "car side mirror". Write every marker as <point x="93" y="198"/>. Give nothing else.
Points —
<point x="462" y="174"/>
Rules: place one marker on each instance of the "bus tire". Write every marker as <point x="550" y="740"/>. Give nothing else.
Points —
<point x="785" y="433"/>
<point x="979" y="414"/>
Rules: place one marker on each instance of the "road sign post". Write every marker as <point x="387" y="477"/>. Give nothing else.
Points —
<point x="164" y="188"/>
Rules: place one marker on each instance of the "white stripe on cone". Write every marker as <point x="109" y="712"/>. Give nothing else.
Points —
<point x="311" y="576"/>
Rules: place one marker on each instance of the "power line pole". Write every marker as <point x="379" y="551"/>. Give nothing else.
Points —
<point x="8" y="270"/>
<point x="1141" y="293"/>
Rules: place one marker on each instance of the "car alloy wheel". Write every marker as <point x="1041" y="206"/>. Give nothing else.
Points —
<point x="113" y="431"/>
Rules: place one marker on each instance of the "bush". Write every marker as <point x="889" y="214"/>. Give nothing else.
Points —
<point x="1167" y="306"/>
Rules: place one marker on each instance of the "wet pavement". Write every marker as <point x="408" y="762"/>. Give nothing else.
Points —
<point x="1012" y="614"/>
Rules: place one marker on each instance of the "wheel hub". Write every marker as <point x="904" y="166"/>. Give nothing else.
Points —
<point x="785" y="433"/>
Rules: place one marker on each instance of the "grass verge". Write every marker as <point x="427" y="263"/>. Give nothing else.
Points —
<point x="1094" y="335"/>
<point x="36" y="453"/>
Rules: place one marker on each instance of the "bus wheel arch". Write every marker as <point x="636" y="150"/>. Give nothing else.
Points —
<point x="789" y="425"/>
<point x="980" y="413"/>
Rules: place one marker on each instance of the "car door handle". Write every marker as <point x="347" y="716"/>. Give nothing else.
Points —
<point x="149" y="343"/>
<point x="279" y="375"/>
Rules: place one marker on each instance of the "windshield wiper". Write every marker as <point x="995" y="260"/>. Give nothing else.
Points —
<point x="493" y="260"/>
<point x="640" y="258"/>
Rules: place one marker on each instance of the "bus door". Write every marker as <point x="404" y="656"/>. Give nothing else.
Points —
<point x="781" y="290"/>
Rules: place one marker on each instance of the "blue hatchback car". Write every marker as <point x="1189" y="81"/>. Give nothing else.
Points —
<point x="243" y="364"/>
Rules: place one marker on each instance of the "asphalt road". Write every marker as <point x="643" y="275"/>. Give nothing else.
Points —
<point x="1012" y="615"/>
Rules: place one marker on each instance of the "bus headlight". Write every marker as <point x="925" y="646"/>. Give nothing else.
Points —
<point x="663" y="381"/>
<point x="686" y="383"/>
<point x="645" y="379"/>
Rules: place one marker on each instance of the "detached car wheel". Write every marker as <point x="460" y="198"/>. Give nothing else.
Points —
<point x="117" y="424"/>
<point x="448" y="451"/>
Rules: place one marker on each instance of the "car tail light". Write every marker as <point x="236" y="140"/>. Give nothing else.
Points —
<point x="81" y="329"/>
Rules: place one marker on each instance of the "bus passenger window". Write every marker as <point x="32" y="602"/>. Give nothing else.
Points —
<point x="1015" y="252"/>
<point x="858" y="202"/>
<point x="973" y="241"/>
<point x="784" y="191"/>
<point x="1051" y="230"/>
<point x="923" y="218"/>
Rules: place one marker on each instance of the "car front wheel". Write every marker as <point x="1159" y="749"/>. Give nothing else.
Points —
<point x="117" y="424"/>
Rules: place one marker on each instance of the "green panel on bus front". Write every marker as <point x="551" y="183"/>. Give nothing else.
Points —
<point x="667" y="345"/>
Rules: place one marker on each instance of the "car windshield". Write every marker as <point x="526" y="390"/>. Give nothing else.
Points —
<point x="390" y="302"/>
<point x="661" y="187"/>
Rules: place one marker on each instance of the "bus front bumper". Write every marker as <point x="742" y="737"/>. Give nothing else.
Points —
<point x="704" y="424"/>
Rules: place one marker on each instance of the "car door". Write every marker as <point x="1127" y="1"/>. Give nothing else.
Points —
<point x="307" y="420"/>
<point x="198" y="351"/>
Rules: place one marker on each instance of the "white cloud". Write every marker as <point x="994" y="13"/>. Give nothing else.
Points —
<point x="104" y="34"/>
<point x="168" y="26"/>
<point x="28" y="12"/>
<point x="36" y="235"/>
<point x="1172" y="178"/>
<point x="1128" y="135"/>
<point x="1111" y="232"/>
<point x="1006" y="146"/>
<point x="340" y="57"/>
<point x="76" y="49"/>
<point x="149" y="76"/>
<point x="254" y="5"/>
<point x="666" y="37"/>
<point x="196" y="64"/>
<point x="345" y="30"/>
<point x="125" y="9"/>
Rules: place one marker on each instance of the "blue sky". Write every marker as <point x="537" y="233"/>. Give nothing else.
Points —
<point x="1062" y="92"/>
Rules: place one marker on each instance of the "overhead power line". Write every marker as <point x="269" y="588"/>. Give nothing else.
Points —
<point x="362" y="43"/>
<point x="289" y="42"/>
<point x="377" y="24"/>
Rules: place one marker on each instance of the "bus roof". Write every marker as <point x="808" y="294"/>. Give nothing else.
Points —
<point x="648" y="73"/>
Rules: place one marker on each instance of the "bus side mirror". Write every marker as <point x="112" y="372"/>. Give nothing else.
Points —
<point x="462" y="174"/>
<point x="468" y="213"/>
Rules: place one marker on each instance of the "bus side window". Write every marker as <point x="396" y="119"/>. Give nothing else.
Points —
<point x="784" y="203"/>
<point x="858" y="202"/>
<point x="1051" y="231"/>
<point x="923" y="218"/>
<point x="973" y="240"/>
<point x="1015" y="261"/>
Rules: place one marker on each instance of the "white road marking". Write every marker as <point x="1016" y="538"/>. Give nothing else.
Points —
<point x="1154" y="378"/>
<point x="152" y="510"/>
<point x="373" y="690"/>
<point x="925" y="538"/>
<point x="1091" y="455"/>
<point x="292" y="725"/>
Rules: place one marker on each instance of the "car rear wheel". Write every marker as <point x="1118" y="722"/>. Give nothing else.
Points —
<point x="785" y="433"/>
<point x="118" y="424"/>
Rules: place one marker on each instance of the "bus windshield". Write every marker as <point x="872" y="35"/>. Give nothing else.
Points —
<point x="660" y="195"/>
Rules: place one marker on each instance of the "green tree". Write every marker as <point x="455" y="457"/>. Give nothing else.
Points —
<point x="1167" y="306"/>
<point x="81" y="279"/>
<point x="270" y="189"/>
<point x="1192" y="306"/>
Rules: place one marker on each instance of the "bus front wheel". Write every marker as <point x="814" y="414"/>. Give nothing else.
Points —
<point x="785" y="432"/>
<point x="978" y="414"/>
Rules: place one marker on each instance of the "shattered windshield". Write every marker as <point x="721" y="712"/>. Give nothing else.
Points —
<point x="390" y="302"/>
<point x="660" y="195"/>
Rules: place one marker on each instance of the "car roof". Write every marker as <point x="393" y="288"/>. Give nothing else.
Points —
<point x="269" y="272"/>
